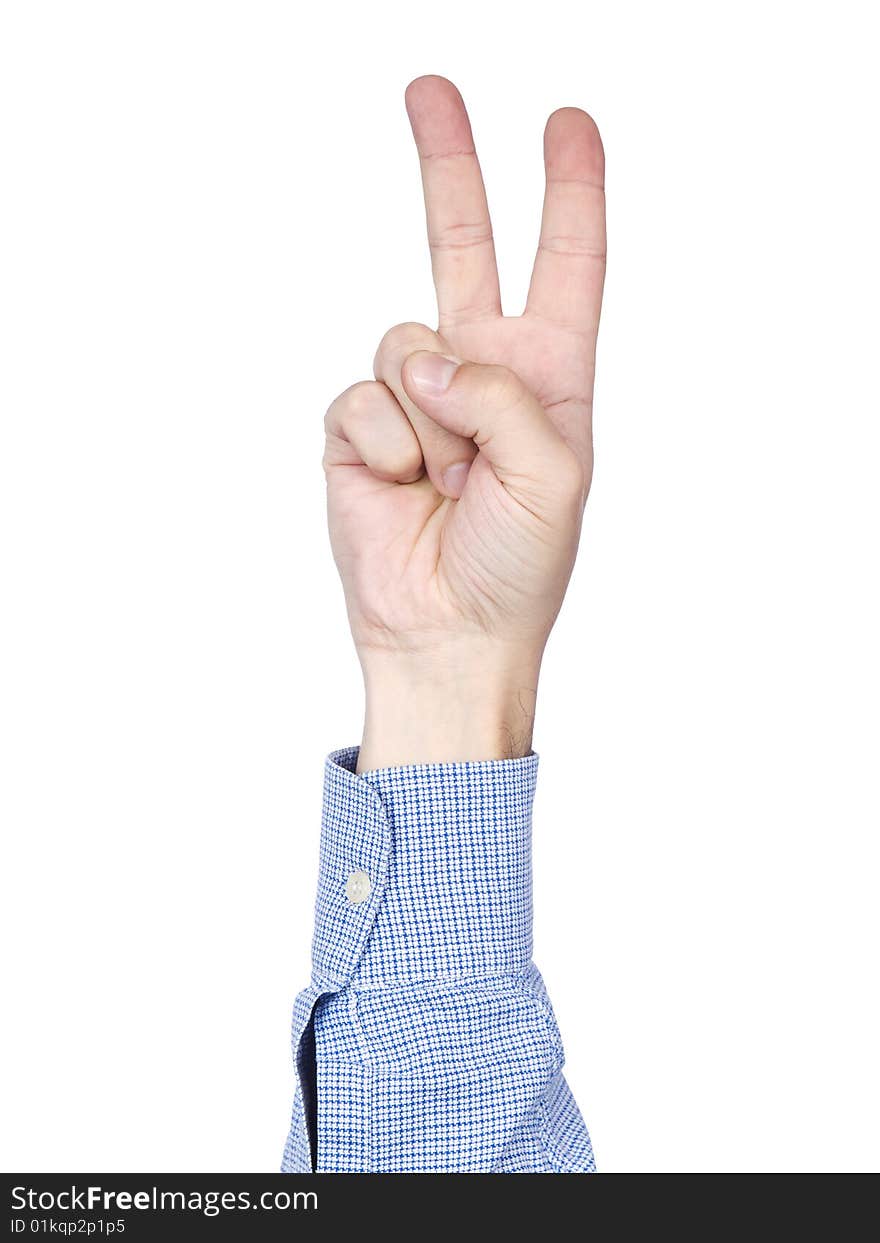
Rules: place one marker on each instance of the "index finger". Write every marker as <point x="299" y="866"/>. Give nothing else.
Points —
<point x="459" y="228"/>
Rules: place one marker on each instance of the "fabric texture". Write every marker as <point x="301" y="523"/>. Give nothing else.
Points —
<point x="426" y="1042"/>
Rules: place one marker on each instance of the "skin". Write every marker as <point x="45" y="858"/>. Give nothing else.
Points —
<point x="457" y="477"/>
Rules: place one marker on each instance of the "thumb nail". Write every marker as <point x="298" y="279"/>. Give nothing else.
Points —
<point x="432" y="374"/>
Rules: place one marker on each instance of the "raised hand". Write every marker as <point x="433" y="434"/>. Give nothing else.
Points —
<point x="457" y="478"/>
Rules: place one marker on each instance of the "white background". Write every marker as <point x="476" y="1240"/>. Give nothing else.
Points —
<point x="211" y="213"/>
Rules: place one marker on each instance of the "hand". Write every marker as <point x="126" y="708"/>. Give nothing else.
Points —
<point x="457" y="478"/>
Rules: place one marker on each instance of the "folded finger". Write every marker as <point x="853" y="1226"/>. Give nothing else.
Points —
<point x="447" y="457"/>
<point x="365" y="424"/>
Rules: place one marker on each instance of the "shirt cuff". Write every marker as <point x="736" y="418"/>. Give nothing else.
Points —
<point x="425" y="872"/>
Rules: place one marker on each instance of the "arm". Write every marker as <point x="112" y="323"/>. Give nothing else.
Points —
<point x="456" y="484"/>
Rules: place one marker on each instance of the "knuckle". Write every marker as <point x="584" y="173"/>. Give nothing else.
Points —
<point x="404" y="339"/>
<point x="503" y="389"/>
<point x="463" y="235"/>
<point x="351" y="405"/>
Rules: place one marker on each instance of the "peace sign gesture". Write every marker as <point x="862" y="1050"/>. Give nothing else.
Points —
<point x="457" y="478"/>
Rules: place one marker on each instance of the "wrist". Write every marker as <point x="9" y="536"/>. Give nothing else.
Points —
<point x="454" y="705"/>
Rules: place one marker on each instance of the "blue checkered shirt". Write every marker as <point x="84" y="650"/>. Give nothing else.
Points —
<point x="426" y="1041"/>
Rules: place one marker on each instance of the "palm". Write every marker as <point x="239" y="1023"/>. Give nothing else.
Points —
<point x="409" y="556"/>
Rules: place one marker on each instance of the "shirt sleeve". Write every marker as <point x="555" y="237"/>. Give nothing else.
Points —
<point x="426" y="1041"/>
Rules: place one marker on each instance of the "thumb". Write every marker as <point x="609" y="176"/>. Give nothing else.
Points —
<point x="491" y="406"/>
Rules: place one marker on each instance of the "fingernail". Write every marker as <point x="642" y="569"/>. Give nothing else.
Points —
<point x="454" y="479"/>
<point x="432" y="373"/>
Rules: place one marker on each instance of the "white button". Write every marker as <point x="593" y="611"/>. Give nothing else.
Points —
<point x="357" y="888"/>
